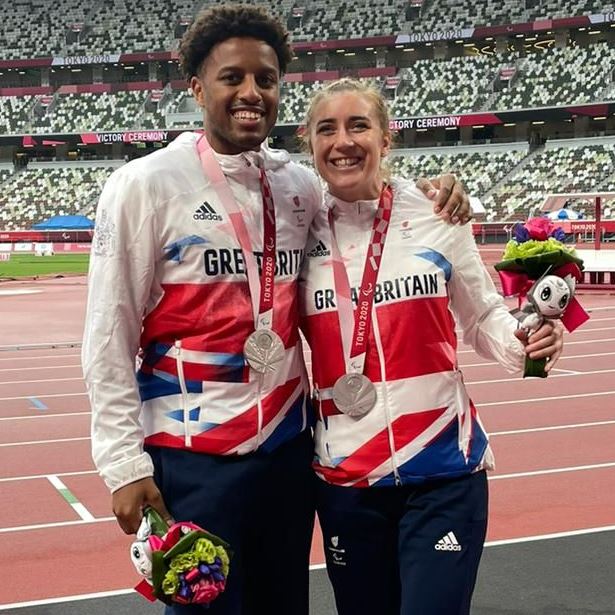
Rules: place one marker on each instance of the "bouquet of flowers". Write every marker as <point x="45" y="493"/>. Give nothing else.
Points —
<point x="182" y="563"/>
<point x="539" y="268"/>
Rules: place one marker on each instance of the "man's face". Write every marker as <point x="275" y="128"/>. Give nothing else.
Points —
<point x="238" y="87"/>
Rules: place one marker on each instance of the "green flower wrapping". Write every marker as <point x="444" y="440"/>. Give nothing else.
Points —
<point x="224" y="558"/>
<point x="184" y="562"/>
<point x="170" y="583"/>
<point x="533" y="247"/>
<point x="204" y="550"/>
<point x="537" y="248"/>
<point x="535" y="258"/>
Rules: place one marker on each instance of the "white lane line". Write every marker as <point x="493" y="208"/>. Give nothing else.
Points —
<point x="557" y="370"/>
<point x="513" y="432"/>
<point x="43" y="416"/>
<point x="36" y="358"/>
<point x="603" y="340"/>
<point x="42" y="396"/>
<point x="598" y="341"/>
<point x="313" y="568"/>
<point x="562" y="358"/>
<point x="511" y="379"/>
<point x="551" y="377"/>
<point x="77" y="598"/>
<point x="39" y="381"/>
<point x="45" y="526"/>
<point x="36" y="442"/>
<point x="10" y="292"/>
<point x="14" y="479"/>
<point x="511" y="402"/>
<point x="69" y="496"/>
<point x="594" y="466"/>
<point x="39" y="346"/>
<point x="596" y="329"/>
<point x="459" y="331"/>
<point x="514" y="541"/>
<point x="35" y="368"/>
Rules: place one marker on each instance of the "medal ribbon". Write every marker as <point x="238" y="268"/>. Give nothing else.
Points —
<point x="261" y="289"/>
<point x="354" y="342"/>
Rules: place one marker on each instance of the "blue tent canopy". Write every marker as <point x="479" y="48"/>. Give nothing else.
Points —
<point x="64" y="223"/>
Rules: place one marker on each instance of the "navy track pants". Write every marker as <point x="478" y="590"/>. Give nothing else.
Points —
<point x="263" y="505"/>
<point x="410" y="550"/>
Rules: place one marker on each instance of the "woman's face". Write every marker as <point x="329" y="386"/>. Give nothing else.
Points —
<point x="347" y="144"/>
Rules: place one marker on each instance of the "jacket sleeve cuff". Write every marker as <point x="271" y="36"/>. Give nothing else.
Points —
<point x="509" y="353"/>
<point x="121" y="474"/>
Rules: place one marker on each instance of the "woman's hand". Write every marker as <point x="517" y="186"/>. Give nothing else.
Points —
<point x="547" y="342"/>
<point x="451" y="200"/>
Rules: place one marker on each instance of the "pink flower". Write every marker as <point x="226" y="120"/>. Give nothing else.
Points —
<point x="204" y="592"/>
<point x="539" y="229"/>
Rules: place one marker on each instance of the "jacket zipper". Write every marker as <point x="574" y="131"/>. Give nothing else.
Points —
<point x="385" y="402"/>
<point x="317" y="399"/>
<point x="184" y="393"/>
<point x="259" y="389"/>
<point x="259" y="409"/>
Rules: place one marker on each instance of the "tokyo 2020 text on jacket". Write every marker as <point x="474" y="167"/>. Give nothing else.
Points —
<point x="167" y="276"/>
<point x="423" y="426"/>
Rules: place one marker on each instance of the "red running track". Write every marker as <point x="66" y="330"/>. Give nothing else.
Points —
<point x="552" y="440"/>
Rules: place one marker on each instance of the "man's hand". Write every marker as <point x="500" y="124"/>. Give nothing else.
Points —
<point x="547" y="342"/>
<point x="451" y="201"/>
<point x="129" y="501"/>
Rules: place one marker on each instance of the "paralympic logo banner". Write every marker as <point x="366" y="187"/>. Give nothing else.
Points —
<point x="95" y="138"/>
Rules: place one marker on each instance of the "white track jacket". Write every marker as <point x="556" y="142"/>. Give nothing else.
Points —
<point x="424" y="425"/>
<point x="167" y="282"/>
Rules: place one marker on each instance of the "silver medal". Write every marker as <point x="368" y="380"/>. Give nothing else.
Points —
<point x="354" y="394"/>
<point x="263" y="350"/>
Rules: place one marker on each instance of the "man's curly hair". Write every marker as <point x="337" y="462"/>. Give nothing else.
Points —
<point x="215" y="25"/>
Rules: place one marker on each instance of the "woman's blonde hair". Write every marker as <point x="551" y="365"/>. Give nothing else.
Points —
<point x="347" y="85"/>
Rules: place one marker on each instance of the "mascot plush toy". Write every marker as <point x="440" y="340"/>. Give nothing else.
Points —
<point x="539" y="268"/>
<point x="547" y="298"/>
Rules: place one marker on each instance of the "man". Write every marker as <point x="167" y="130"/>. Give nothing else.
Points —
<point x="194" y="266"/>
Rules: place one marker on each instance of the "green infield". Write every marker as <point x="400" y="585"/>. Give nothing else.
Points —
<point x="29" y="266"/>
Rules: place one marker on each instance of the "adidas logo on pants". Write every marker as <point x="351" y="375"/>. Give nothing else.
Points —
<point x="448" y="543"/>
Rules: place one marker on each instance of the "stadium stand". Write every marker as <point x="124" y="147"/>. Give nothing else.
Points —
<point x="349" y="20"/>
<point x="542" y="78"/>
<point x="73" y="27"/>
<point x="511" y="180"/>
<point x="425" y="87"/>
<point x="454" y="14"/>
<point x="15" y="113"/>
<point x="560" y="76"/>
<point x="561" y="167"/>
<point x="135" y="25"/>
<point x="87" y="111"/>
<point x="480" y="167"/>
<point x="38" y="193"/>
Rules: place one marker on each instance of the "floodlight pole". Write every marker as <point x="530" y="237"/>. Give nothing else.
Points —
<point x="598" y="231"/>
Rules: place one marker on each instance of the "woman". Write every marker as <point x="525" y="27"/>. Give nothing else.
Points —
<point x="399" y="446"/>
